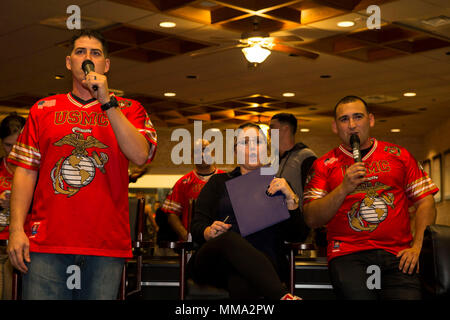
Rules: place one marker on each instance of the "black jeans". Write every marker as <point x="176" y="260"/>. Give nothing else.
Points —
<point x="231" y="262"/>
<point x="351" y="277"/>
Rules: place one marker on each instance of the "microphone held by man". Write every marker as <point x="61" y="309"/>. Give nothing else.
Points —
<point x="88" y="66"/>
<point x="355" y="143"/>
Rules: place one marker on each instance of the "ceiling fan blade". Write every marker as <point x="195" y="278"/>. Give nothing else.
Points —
<point x="223" y="39"/>
<point x="214" y="50"/>
<point x="294" y="51"/>
<point x="291" y="38"/>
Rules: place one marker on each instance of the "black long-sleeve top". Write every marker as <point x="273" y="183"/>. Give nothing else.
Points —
<point x="214" y="203"/>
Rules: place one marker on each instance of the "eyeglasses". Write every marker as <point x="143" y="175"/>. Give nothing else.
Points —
<point x="251" y="141"/>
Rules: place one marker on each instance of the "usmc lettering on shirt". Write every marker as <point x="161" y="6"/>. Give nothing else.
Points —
<point x="80" y="117"/>
<point x="373" y="167"/>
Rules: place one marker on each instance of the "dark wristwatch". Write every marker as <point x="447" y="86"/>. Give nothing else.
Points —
<point x="111" y="104"/>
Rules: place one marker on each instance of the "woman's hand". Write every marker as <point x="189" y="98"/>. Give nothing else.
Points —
<point x="280" y="184"/>
<point x="215" y="230"/>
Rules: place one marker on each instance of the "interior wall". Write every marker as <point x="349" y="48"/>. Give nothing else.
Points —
<point x="437" y="142"/>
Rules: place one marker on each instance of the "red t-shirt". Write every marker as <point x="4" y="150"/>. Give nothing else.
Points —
<point x="6" y="177"/>
<point x="80" y="204"/>
<point x="375" y="215"/>
<point x="185" y="189"/>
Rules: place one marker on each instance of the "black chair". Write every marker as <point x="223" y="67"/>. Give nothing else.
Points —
<point x="434" y="262"/>
<point x="137" y="224"/>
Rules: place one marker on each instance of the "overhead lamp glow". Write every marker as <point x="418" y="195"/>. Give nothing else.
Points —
<point x="255" y="53"/>
<point x="264" y="128"/>
<point x="304" y="130"/>
<point x="409" y="94"/>
<point x="167" y="24"/>
<point x="170" y="94"/>
<point x="395" y="130"/>
<point x="288" y="94"/>
<point x="345" y="24"/>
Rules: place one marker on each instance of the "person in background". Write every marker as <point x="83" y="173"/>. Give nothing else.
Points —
<point x="365" y="207"/>
<point x="9" y="131"/>
<point x="186" y="189"/>
<point x="295" y="158"/>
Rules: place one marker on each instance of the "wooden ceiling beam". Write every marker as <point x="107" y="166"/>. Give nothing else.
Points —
<point x="165" y="5"/>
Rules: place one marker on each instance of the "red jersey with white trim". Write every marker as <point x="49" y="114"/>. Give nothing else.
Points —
<point x="187" y="188"/>
<point x="6" y="177"/>
<point x="375" y="215"/>
<point x="80" y="204"/>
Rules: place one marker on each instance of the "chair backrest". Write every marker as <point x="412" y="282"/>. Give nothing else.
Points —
<point x="435" y="260"/>
<point x="137" y="218"/>
<point x="190" y="214"/>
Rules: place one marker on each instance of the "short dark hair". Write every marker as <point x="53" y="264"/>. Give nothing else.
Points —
<point x="12" y="124"/>
<point x="90" y="34"/>
<point x="287" y="118"/>
<point x="252" y="125"/>
<point x="349" y="99"/>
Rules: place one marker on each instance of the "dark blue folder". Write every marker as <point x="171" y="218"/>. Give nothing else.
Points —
<point x="253" y="208"/>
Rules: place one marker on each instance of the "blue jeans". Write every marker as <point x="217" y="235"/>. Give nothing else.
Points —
<point x="71" y="277"/>
<point x="349" y="277"/>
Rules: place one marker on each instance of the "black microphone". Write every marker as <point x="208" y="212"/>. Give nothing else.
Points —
<point x="88" y="66"/>
<point x="354" y="142"/>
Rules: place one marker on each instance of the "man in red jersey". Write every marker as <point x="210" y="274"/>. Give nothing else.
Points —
<point x="365" y="208"/>
<point x="187" y="188"/>
<point x="72" y="162"/>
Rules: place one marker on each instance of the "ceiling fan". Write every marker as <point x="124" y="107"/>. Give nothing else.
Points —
<point x="257" y="45"/>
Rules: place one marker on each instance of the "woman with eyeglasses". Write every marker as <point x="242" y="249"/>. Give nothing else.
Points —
<point x="9" y="131"/>
<point x="248" y="267"/>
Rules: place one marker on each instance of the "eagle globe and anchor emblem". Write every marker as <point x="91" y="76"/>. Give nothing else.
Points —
<point x="78" y="169"/>
<point x="367" y="214"/>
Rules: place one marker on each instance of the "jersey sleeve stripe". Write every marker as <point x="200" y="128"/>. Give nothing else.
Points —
<point x="314" y="194"/>
<point x="24" y="159"/>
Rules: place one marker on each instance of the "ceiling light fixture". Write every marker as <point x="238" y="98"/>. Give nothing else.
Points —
<point x="255" y="53"/>
<point x="409" y="94"/>
<point x="170" y="94"/>
<point x="167" y="24"/>
<point x="288" y="94"/>
<point x="395" y="130"/>
<point x="345" y="24"/>
<point x="264" y="128"/>
<point x="59" y="77"/>
<point x="304" y="130"/>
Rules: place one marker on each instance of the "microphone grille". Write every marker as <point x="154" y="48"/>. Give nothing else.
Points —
<point x="354" y="139"/>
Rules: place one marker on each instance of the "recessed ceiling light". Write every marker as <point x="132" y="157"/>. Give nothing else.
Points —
<point x="395" y="130"/>
<point x="345" y="24"/>
<point x="304" y="130"/>
<point x="409" y="94"/>
<point x="59" y="77"/>
<point x="288" y="94"/>
<point x="167" y="24"/>
<point x="170" y="94"/>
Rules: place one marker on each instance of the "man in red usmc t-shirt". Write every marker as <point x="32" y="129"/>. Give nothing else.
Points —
<point x="72" y="161"/>
<point x="187" y="188"/>
<point x="365" y="207"/>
